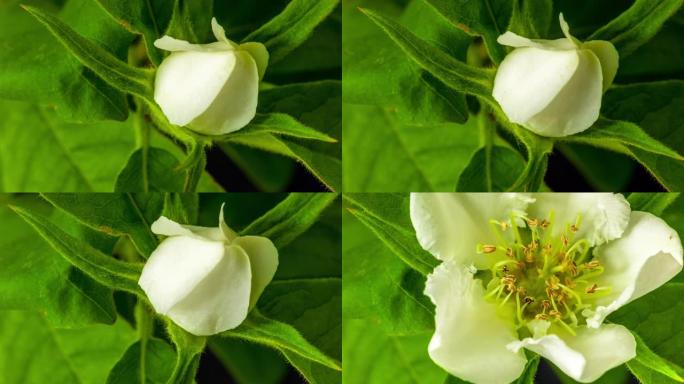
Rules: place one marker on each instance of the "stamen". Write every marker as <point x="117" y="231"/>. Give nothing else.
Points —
<point x="542" y="274"/>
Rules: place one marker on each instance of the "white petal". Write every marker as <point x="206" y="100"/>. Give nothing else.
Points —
<point x="514" y="40"/>
<point x="566" y="30"/>
<point x="220" y="33"/>
<point x="167" y="227"/>
<point x="609" y="58"/>
<point x="187" y="83"/>
<point x="529" y="79"/>
<point x="471" y="334"/>
<point x="220" y="301"/>
<point x="259" y="54"/>
<point x="576" y="107"/>
<point x="450" y="225"/>
<point x="228" y="233"/>
<point x="588" y="355"/>
<point x="174" y="269"/>
<point x="235" y="105"/>
<point x="644" y="258"/>
<point x="168" y="43"/>
<point x="604" y="216"/>
<point x="263" y="257"/>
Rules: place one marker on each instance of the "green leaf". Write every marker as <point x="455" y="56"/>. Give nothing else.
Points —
<point x="317" y="105"/>
<point x="181" y="207"/>
<point x="289" y="219"/>
<point x="637" y="25"/>
<point x="655" y="203"/>
<point x="292" y="26"/>
<point x="649" y="316"/>
<point x="418" y="158"/>
<point x="378" y="286"/>
<point x="34" y="277"/>
<point x="372" y="356"/>
<point x="617" y="375"/>
<point x="453" y="73"/>
<point x="400" y="240"/>
<point x="31" y="351"/>
<point x="531" y="18"/>
<point x="75" y="92"/>
<point x="116" y="214"/>
<point x="100" y="267"/>
<point x="319" y="56"/>
<point x="148" y="18"/>
<point x="280" y="124"/>
<point x="530" y="371"/>
<point x="245" y="361"/>
<point x="112" y="70"/>
<point x="153" y="366"/>
<point x="648" y="364"/>
<point x="65" y="158"/>
<point x="412" y="94"/>
<point x="240" y="209"/>
<point x="661" y="58"/>
<point x="603" y="169"/>
<point x="269" y="172"/>
<point x="151" y="169"/>
<point x="656" y="108"/>
<point x="310" y="304"/>
<point x="314" y="372"/>
<point x="260" y="329"/>
<point x="646" y="375"/>
<point x="487" y="18"/>
<point x="622" y="135"/>
<point x="191" y="21"/>
<point x="306" y="291"/>
<point x="494" y="173"/>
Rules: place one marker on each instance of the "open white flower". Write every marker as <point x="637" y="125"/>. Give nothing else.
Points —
<point x="554" y="87"/>
<point x="207" y="279"/>
<point x="537" y="271"/>
<point x="210" y="88"/>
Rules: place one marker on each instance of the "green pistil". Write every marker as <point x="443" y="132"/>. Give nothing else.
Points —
<point x="542" y="275"/>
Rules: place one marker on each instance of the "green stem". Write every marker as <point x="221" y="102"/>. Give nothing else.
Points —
<point x="487" y="141"/>
<point x="186" y="367"/>
<point x="198" y="161"/>
<point x="143" y="141"/>
<point x="537" y="148"/>
<point x="188" y="351"/>
<point x="145" y="324"/>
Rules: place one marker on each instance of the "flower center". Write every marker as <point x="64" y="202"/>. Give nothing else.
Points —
<point x="546" y="274"/>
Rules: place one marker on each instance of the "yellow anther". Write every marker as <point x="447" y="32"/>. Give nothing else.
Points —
<point x="488" y="248"/>
<point x="570" y="283"/>
<point x="532" y="223"/>
<point x="592" y="264"/>
<point x="592" y="289"/>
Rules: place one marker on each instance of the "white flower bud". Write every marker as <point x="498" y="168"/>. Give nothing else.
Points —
<point x="554" y="87"/>
<point x="210" y="88"/>
<point x="207" y="279"/>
